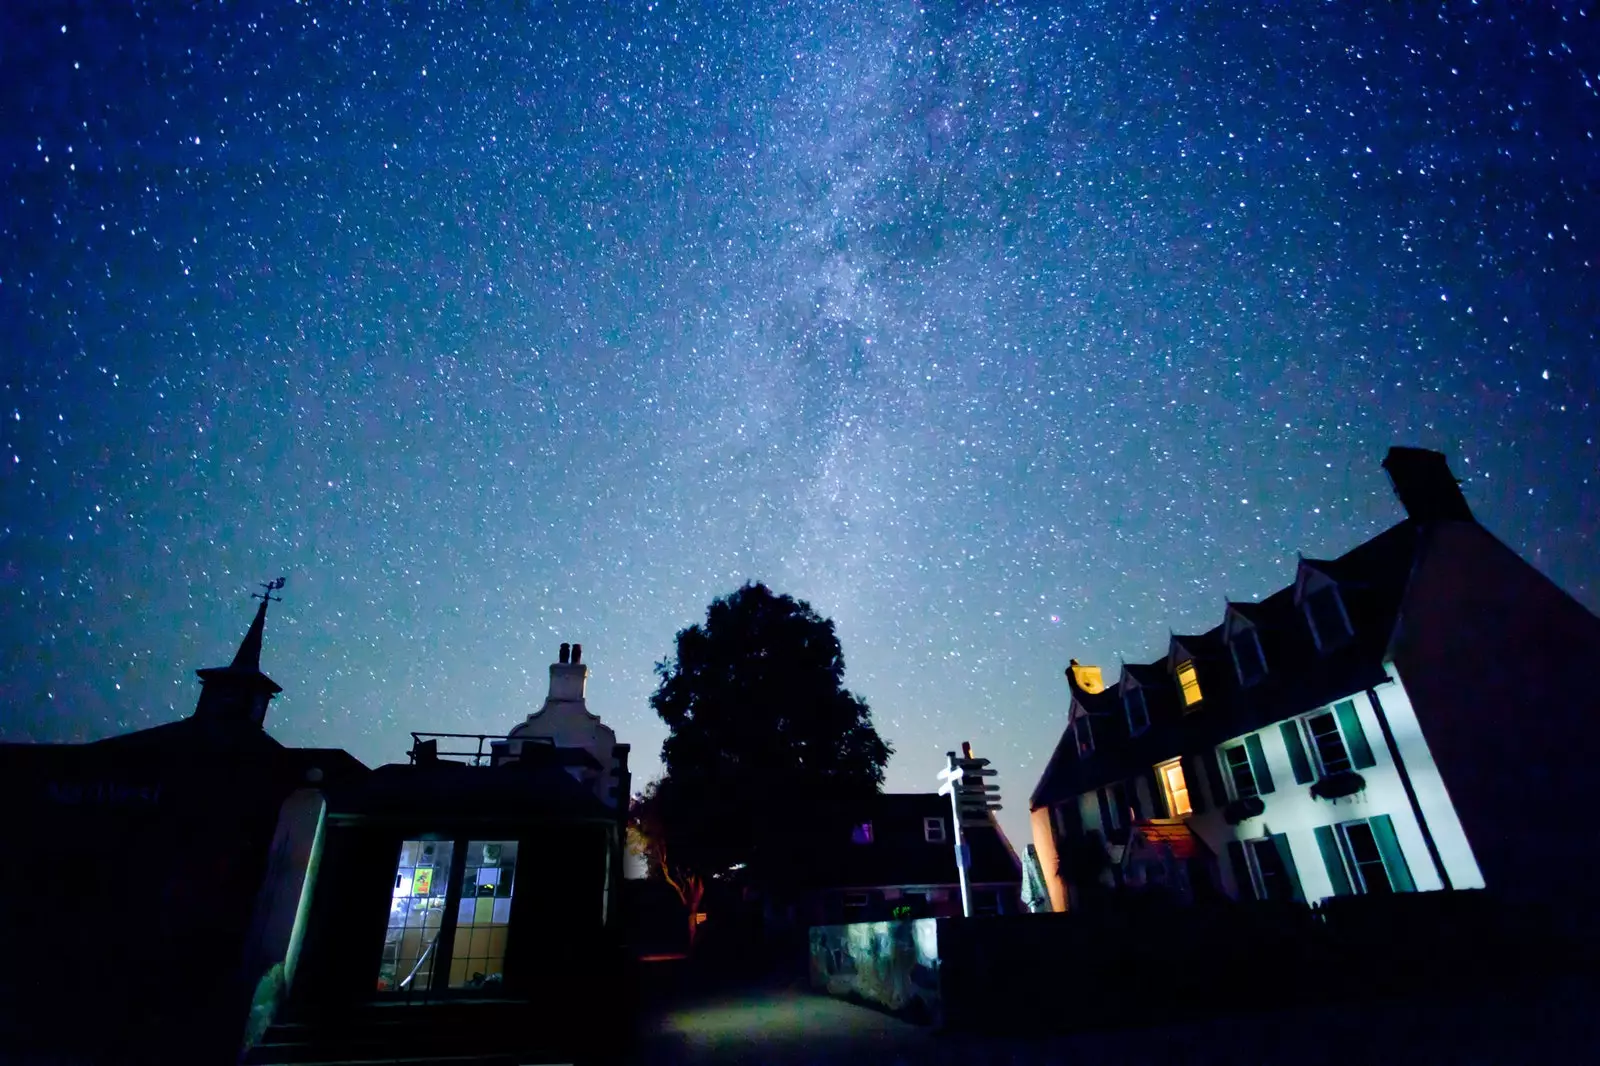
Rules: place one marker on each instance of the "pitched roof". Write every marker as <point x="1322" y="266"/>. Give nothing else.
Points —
<point x="900" y="854"/>
<point x="1372" y="579"/>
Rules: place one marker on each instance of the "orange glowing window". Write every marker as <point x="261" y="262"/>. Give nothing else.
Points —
<point x="1190" y="682"/>
<point x="1177" y="788"/>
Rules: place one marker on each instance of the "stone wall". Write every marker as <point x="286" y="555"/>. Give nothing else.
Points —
<point x="891" y="965"/>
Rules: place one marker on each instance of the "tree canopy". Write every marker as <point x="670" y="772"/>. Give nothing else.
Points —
<point x="761" y="732"/>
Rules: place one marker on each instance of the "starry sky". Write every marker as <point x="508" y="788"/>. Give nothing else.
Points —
<point x="1002" y="332"/>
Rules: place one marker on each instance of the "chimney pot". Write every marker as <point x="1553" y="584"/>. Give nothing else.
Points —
<point x="566" y="652"/>
<point x="1427" y="489"/>
<point x="577" y="654"/>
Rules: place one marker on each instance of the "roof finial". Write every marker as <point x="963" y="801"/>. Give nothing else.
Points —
<point x="270" y="587"/>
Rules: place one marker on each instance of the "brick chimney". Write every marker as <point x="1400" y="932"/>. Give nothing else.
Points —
<point x="1427" y="489"/>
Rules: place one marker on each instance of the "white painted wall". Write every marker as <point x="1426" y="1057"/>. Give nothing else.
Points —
<point x="1291" y="809"/>
<point x="565" y="718"/>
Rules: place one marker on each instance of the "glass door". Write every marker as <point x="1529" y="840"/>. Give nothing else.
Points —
<point x="416" y="916"/>
<point x="483" y="915"/>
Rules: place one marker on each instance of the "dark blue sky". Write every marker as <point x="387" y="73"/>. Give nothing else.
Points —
<point x="1004" y="333"/>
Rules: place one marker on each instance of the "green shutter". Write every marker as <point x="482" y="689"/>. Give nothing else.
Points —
<point x="1258" y="763"/>
<point x="1297" y="752"/>
<point x="1333" y="860"/>
<point x="1214" y="779"/>
<point x="1354" y="738"/>
<point x="1394" y="859"/>
<point x="1191" y="777"/>
<point x="1158" y="795"/>
<point x="1105" y="813"/>
<point x="1241" y="870"/>
<point x="1281" y="842"/>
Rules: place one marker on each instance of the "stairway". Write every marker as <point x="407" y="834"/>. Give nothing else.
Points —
<point x="441" y="1034"/>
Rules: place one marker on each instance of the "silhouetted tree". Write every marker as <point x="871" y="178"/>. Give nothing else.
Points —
<point x="764" y="741"/>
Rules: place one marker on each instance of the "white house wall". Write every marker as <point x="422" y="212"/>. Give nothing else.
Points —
<point x="1291" y="809"/>
<point x="1443" y="822"/>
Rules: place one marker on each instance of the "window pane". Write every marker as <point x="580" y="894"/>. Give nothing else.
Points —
<point x="1327" y="742"/>
<point x="418" y="893"/>
<point x="1269" y="867"/>
<point x="1368" y="860"/>
<point x="1239" y="772"/>
<point x="487" y="886"/>
<point x="1323" y="606"/>
<point x="1190" y="682"/>
<point x="1177" y="789"/>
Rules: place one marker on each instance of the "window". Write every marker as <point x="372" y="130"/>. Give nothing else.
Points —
<point x="416" y="913"/>
<point x="1138" y="710"/>
<point x="1122" y="801"/>
<point x="1330" y="625"/>
<point x="1265" y="868"/>
<point x="1247" y="657"/>
<point x="933" y="830"/>
<point x="1189" y="681"/>
<point x="1364" y="857"/>
<point x="1326" y="743"/>
<point x="1084" y="735"/>
<point x="1176" y="787"/>
<point x="1241" y="780"/>
<point x="861" y="834"/>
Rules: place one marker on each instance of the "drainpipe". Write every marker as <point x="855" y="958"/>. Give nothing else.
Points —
<point x="1411" y="792"/>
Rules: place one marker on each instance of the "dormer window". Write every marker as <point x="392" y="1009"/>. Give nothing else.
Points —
<point x="1189" y="683"/>
<point x="1083" y="735"/>
<point x="1138" y="711"/>
<point x="933" y="830"/>
<point x="1330" y="624"/>
<point x="1248" y="659"/>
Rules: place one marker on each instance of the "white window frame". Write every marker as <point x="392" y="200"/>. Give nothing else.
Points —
<point x="1347" y="853"/>
<point x="1238" y="662"/>
<point x="1314" y="753"/>
<point x="1166" y="787"/>
<point x="1227" y="769"/>
<point x="1311" y="622"/>
<point x="933" y="831"/>
<point x="1129" y="695"/>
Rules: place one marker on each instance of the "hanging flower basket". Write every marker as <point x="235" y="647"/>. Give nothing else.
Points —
<point x="1240" y="809"/>
<point x="1339" y="785"/>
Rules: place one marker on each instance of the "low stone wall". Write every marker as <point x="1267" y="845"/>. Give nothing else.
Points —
<point x="890" y="965"/>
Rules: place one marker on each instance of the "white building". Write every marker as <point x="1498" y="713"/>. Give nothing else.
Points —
<point x="1410" y="716"/>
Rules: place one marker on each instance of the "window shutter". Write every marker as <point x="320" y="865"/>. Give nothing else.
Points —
<point x="1158" y="795"/>
<point x="1354" y="738"/>
<point x="1297" y="752"/>
<point x="1191" y="777"/>
<point x="1105" y="812"/>
<point x="1281" y="842"/>
<point x="1258" y="763"/>
<point x="1333" y="860"/>
<point x="1241" y="870"/>
<point x="1394" y="859"/>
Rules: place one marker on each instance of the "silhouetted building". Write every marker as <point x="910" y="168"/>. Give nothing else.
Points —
<point x="177" y="890"/>
<point x="1411" y="715"/>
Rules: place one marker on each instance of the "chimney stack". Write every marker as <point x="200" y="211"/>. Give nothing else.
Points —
<point x="1427" y="489"/>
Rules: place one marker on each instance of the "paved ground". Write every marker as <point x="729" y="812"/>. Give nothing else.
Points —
<point x="791" y="1025"/>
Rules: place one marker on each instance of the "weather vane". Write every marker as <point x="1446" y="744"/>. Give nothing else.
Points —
<point x="270" y="587"/>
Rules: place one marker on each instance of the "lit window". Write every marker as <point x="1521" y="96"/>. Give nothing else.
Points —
<point x="1247" y="656"/>
<point x="1190" y="682"/>
<point x="1177" y="788"/>
<point x="933" y="830"/>
<point x="1138" y="710"/>
<point x="483" y="916"/>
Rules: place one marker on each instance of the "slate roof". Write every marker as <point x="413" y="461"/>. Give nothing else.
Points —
<point x="1372" y="580"/>
<point x="900" y="855"/>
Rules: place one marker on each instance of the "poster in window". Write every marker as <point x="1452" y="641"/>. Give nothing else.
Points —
<point x="422" y="883"/>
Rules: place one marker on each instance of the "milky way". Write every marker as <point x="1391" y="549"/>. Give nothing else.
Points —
<point x="1003" y="333"/>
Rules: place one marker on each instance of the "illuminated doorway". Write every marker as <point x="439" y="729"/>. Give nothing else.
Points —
<point x="483" y="915"/>
<point x="416" y="916"/>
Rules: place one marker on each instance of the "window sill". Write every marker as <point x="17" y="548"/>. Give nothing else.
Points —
<point x="1339" y="785"/>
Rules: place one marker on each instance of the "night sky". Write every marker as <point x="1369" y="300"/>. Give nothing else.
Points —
<point x="1003" y="333"/>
